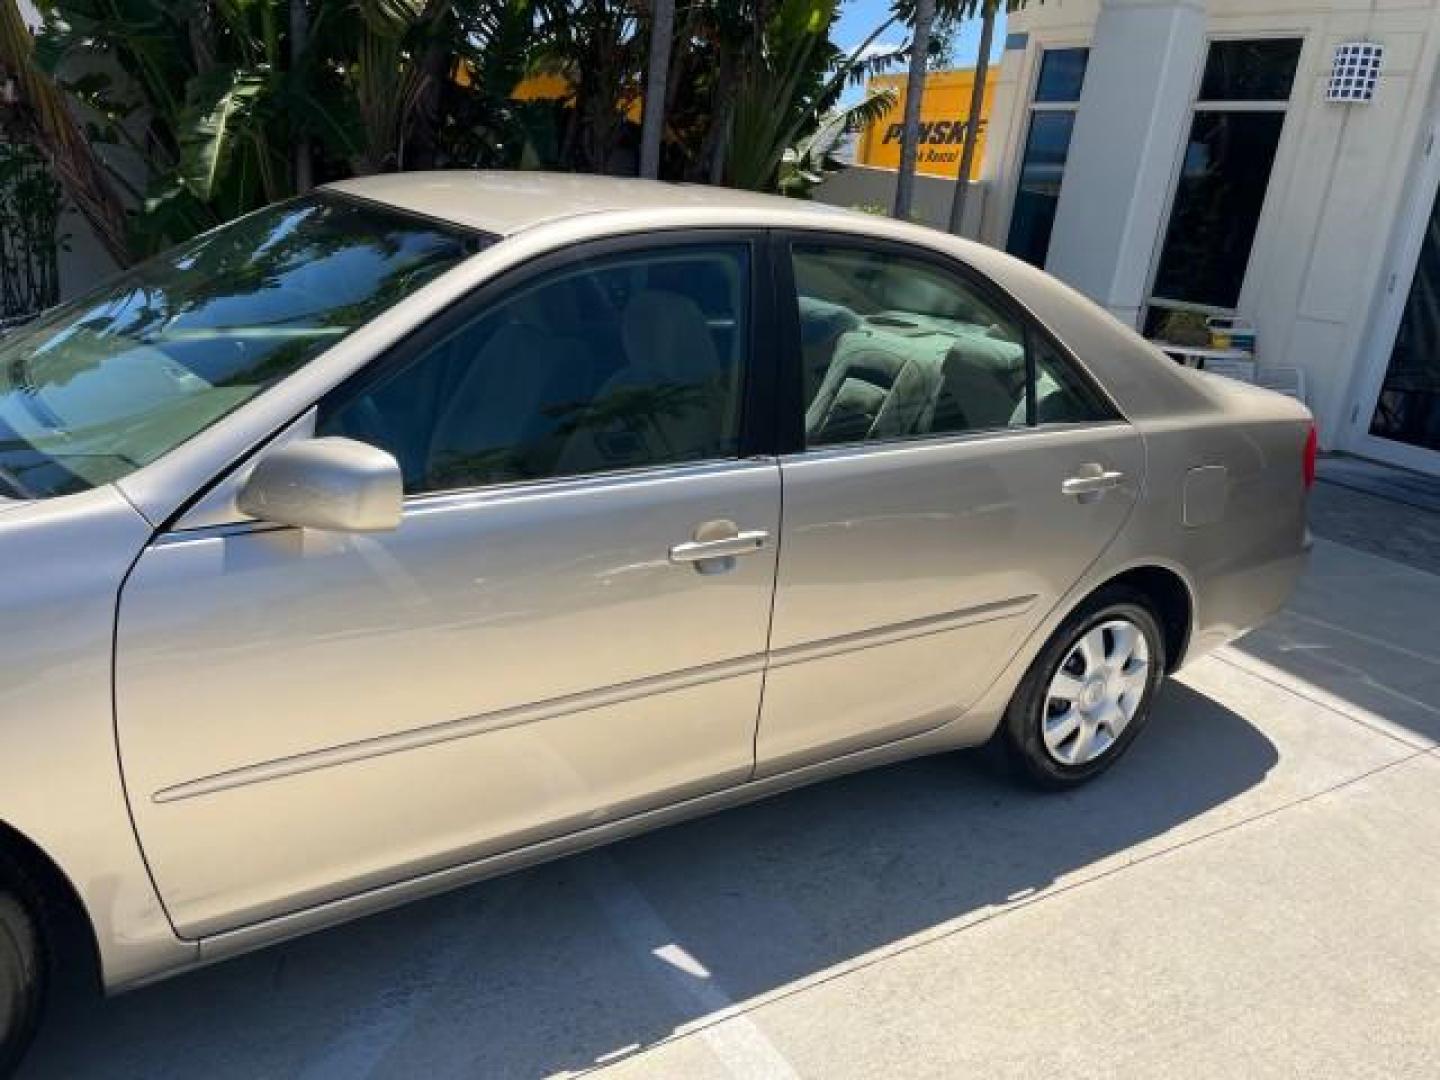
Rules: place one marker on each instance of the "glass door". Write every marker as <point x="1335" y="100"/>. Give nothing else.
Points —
<point x="1403" y="422"/>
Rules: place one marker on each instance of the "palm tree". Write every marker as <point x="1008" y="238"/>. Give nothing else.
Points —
<point x="224" y="107"/>
<point x="914" y="91"/>
<point x="595" y="45"/>
<point x="299" y="42"/>
<point x="48" y="123"/>
<point x="806" y="164"/>
<point x="662" y="30"/>
<point x="990" y="10"/>
<point x="791" y="74"/>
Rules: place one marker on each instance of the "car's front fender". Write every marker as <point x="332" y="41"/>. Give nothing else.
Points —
<point x="60" y="784"/>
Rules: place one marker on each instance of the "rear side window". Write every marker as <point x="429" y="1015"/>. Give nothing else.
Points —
<point x="621" y="362"/>
<point x="1061" y="396"/>
<point x="893" y="347"/>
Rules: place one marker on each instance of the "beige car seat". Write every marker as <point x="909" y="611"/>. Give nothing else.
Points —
<point x="900" y="374"/>
<point x="674" y="400"/>
<point x="982" y="384"/>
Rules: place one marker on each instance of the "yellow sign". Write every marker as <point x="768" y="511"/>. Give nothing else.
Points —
<point x="547" y="86"/>
<point x="944" y="110"/>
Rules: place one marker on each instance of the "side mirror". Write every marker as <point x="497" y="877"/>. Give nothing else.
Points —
<point x="330" y="483"/>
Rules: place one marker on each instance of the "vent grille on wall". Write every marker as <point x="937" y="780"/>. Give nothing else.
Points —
<point x="1356" y="73"/>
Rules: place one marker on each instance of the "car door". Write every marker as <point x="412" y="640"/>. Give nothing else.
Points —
<point x="568" y="626"/>
<point x="952" y="471"/>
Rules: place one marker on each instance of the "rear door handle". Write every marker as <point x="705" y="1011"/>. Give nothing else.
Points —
<point x="1092" y="480"/>
<point x="742" y="543"/>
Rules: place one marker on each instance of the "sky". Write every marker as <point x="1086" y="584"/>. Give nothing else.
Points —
<point x="858" y="18"/>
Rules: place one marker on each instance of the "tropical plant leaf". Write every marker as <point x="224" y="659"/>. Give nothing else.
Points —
<point x="805" y="165"/>
<point x="769" y="103"/>
<point x="874" y="108"/>
<point x="218" y="110"/>
<point x="168" y="213"/>
<point x="875" y="61"/>
<point x="47" y="122"/>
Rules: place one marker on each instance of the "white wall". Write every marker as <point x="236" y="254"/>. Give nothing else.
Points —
<point x="1323" y="251"/>
<point x="84" y="262"/>
<point x="1057" y="24"/>
<point x="862" y="187"/>
<point x="1116" y="193"/>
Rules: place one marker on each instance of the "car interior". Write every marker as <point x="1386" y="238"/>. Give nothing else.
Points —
<point x="894" y="349"/>
<point x="637" y="361"/>
<point x="622" y="364"/>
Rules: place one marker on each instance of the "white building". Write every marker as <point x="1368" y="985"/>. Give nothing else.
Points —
<point x="1178" y="158"/>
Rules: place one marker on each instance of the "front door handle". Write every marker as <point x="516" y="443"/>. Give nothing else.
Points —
<point x="745" y="543"/>
<point x="1092" y="482"/>
<point x="716" y="546"/>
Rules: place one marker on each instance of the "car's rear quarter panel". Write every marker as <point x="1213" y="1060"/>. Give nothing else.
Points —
<point x="1238" y="568"/>
<point x="1243" y="554"/>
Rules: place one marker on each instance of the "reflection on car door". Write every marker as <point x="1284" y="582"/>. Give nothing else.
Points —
<point x="568" y="627"/>
<point x="926" y="529"/>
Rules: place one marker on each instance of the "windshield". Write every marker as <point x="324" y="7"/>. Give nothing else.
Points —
<point x="100" y="386"/>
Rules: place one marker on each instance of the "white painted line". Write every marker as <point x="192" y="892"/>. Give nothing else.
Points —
<point x="1371" y="639"/>
<point x="1318" y="695"/>
<point x="738" y="1043"/>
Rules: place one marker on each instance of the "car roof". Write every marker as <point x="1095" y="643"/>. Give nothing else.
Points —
<point x="506" y="203"/>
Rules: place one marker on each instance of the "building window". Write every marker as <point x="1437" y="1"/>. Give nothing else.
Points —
<point x="1234" y="135"/>
<point x="1052" y="121"/>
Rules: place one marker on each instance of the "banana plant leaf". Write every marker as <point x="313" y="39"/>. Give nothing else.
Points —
<point x="217" y="124"/>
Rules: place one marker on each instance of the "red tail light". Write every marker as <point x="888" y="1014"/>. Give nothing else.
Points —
<point x="1312" y="450"/>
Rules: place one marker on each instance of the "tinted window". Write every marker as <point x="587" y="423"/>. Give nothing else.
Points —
<point x="110" y="382"/>
<point x="1224" y="178"/>
<point x="1047" y="147"/>
<point x="1250" y="70"/>
<point x="1062" y="74"/>
<point x="1061" y="395"/>
<point x="622" y="362"/>
<point x="1038" y="196"/>
<point x="1217" y="206"/>
<point x="895" y="348"/>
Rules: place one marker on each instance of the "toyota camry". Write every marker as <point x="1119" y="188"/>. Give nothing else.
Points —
<point x="428" y="526"/>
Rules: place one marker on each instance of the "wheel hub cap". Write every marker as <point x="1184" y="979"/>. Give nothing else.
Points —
<point x="1095" y="692"/>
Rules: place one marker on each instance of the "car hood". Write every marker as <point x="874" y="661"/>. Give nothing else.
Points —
<point x="56" y="539"/>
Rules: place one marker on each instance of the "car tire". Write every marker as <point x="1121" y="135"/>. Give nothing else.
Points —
<point x="22" y="977"/>
<point x="1088" y="693"/>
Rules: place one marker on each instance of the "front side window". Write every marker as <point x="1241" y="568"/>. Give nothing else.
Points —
<point x="895" y="348"/>
<point x="1224" y="177"/>
<point x="110" y="382"/>
<point x="1047" y="148"/>
<point x="620" y="362"/>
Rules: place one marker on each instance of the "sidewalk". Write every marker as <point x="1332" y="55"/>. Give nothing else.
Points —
<point x="1253" y="892"/>
<point x="1383" y="511"/>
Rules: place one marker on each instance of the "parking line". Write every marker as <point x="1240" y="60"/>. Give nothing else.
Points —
<point x="737" y="1042"/>
<point x="1318" y="695"/>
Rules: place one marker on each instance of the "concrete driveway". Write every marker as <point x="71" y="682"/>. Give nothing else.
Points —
<point x="1254" y="891"/>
